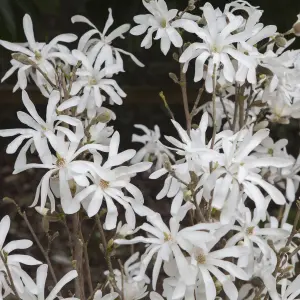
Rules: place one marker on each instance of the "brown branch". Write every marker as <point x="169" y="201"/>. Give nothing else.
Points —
<point x="107" y="254"/>
<point x="11" y="285"/>
<point x="87" y="264"/>
<point x="77" y="256"/>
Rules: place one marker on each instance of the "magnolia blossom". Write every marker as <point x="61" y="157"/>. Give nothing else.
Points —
<point x="167" y="242"/>
<point x="107" y="183"/>
<point x="21" y="279"/>
<point x="133" y="290"/>
<point x="66" y="167"/>
<point x="40" y="54"/>
<point x="209" y="263"/>
<point x="41" y="276"/>
<point x="153" y="149"/>
<point x="164" y="22"/>
<point x="101" y="49"/>
<point x="94" y="82"/>
<point x="217" y="48"/>
<point x="41" y="131"/>
<point x="110" y="296"/>
<point x="249" y="232"/>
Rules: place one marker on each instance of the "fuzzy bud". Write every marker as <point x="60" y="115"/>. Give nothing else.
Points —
<point x="280" y="41"/>
<point x="22" y="58"/>
<point x="296" y="27"/>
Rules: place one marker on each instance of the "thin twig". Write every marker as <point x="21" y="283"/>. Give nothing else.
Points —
<point x="122" y="277"/>
<point x="12" y="285"/>
<point x="108" y="257"/>
<point x="183" y="87"/>
<point x="44" y="252"/>
<point x="87" y="264"/>
<point x="77" y="256"/>
<point x="226" y="112"/>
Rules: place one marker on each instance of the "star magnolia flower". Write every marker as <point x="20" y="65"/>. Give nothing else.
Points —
<point x="155" y="296"/>
<point x="210" y="262"/>
<point x="168" y="242"/>
<point x="153" y="149"/>
<point x="290" y="290"/>
<point x="111" y="296"/>
<point x="101" y="50"/>
<point x="162" y="21"/>
<point x="41" y="276"/>
<point x="41" y="131"/>
<point x="217" y="48"/>
<point x="197" y="151"/>
<point x="92" y="80"/>
<point x="67" y="168"/>
<point x="111" y="189"/>
<point x="20" y="278"/>
<point x="242" y="168"/>
<point x="39" y="53"/>
<point x="290" y="175"/>
<point x="132" y="289"/>
<point x="249" y="232"/>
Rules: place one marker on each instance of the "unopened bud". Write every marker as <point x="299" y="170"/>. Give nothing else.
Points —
<point x="22" y="58"/>
<point x="191" y="5"/>
<point x="280" y="41"/>
<point x="296" y="27"/>
<point x="284" y="250"/>
<point x="173" y="77"/>
<point x="167" y="163"/>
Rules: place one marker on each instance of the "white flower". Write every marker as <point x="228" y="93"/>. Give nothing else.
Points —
<point x="102" y="50"/>
<point x="94" y="82"/>
<point x="20" y="278"/>
<point x="66" y="167"/>
<point x="290" y="175"/>
<point x="153" y="149"/>
<point x="41" y="276"/>
<point x="109" y="186"/>
<point x="217" y="48"/>
<point x="241" y="168"/>
<point x="290" y="290"/>
<point x="39" y="53"/>
<point x="249" y="232"/>
<point x="41" y="132"/>
<point x="168" y="242"/>
<point x="210" y="262"/>
<point x="155" y="296"/>
<point x="162" y="21"/>
<point x="133" y="290"/>
<point x="110" y="296"/>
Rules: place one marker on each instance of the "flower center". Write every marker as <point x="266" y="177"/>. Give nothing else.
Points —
<point x="92" y="81"/>
<point x="103" y="184"/>
<point x="163" y="23"/>
<point x="167" y="237"/>
<point x="37" y="55"/>
<point x="60" y="162"/>
<point x="270" y="151"/>
<point x="201" y="259"/>
<point x="250" y="230"/>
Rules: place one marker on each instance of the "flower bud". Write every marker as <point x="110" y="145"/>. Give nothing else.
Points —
<point x="296" y="27"/>
<point x="22" y="58"/>
<point x="280" y="41"/>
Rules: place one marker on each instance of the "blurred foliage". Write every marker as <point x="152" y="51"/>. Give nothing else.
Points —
<point x="11" y="12"/>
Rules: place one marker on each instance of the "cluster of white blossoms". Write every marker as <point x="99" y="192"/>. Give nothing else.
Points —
<point x="224" y="238"/>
